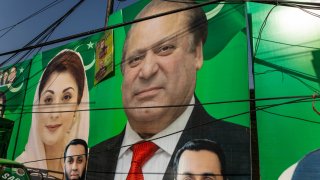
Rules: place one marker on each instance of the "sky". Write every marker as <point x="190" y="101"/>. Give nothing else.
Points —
<point x="88" y="16"/>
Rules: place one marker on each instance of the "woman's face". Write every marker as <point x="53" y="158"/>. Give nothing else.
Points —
<point x="59" y="94"/>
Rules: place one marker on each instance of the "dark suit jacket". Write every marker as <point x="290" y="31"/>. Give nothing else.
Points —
<point x="308" y="167"/>
<point x="233" y="139"/>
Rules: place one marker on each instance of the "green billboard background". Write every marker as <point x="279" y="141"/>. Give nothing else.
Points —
<point x="14" y="94"/>
<point x="223" y="77"/>
<point x="285" y="65"/>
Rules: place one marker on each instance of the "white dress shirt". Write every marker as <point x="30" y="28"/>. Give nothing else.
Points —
<point x="288" y="173"/>
<point x="156" y="166"/>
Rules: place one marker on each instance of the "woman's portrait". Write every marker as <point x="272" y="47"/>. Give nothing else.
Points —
<point x="60" y="112"/>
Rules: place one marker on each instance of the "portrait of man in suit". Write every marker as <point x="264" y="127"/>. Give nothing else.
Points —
<point x="199" y="159"/>
<point x="75" y="159"/>
<point x="161" y="57"/>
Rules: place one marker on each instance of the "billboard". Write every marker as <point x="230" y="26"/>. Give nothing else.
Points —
<point x="175" y="84"/>
<point x="286" y="70"/>
<point x="170" y="93"/>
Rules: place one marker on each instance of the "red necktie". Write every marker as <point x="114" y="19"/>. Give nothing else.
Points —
<point x="142" y="152"/>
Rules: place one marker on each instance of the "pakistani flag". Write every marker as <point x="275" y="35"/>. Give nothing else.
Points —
<point x="13" y="86"/>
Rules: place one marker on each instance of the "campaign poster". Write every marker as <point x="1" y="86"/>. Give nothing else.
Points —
<point x="179" y="91"/>
<point x="105" y="58"/>
<point x="13" y="86"/>
<point x="286" y="74"/>
<point x="221" y="80"/>
<point x="57" y="105"/>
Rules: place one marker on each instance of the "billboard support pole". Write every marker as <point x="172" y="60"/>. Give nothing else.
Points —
<point x="109" y="11"/>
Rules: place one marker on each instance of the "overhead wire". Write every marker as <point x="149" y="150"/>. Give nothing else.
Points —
<point x="42" y="37"/>
<point x="88" y="102"/>
<point x="258" y="109"/>
<point x="181" y="33"/>
<point x="292" y="45"/>
<point x="52" y="4"/>
<point x="41" y="70"/>
<point x="264" y="23"/>
<point x="188" y="129"/>
<point x="108" y="28"/>
<point x="292" y="117"/>
<point x="143" y="19"/>
<point x="163" y="106"/>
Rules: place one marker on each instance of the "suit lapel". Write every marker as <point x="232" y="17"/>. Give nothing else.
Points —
<point x="197" y="118"/>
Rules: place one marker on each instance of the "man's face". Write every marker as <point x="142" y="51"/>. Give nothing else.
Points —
<point x="1" y="105"/>
<point x="75" y="162"/>
<point x="158" y="72"/>
<point x="199" y="165"/>
<point x="13" y="74"/>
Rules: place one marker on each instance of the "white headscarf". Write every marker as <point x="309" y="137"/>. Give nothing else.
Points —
<point x="34" y="149"/>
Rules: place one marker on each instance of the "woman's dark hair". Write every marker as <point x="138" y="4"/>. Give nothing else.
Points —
<point x="66" y="61"/>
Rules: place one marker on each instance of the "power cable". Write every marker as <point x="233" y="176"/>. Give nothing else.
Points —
<point x="244" y="113"/>
<point x="292" y="117"/>
<point x="117" y="65"/>
<point x="107" y="28"/>
<point x="197" y="126"/>
<point x="166" y="106"/>
<point x="182" y="32"/>
<point x="293" y="45"/>
<point x="43" y="36"/>
<point x="264" y="23"/>
<point x="30" y="16"/>
<point x="146" y="18"/>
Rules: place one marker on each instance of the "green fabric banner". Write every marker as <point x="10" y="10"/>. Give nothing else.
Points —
<point x="286" y="65"/>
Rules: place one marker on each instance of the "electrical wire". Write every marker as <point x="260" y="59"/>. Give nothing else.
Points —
<point x="30" y="16"/>
<point x="197" y="126"/>
<point x="146" y="18"/>
<point x="181" y="33"/>
<point x="292" y="117"/>
<point x="41" y="70"/>
<point x="264" y="23"/>
<point x="292" y="45"/>
<point x="258" y="109"/>
<point x="106" y="28"/>
<point x="42" y="37"/>
<point x="118" y="64"/>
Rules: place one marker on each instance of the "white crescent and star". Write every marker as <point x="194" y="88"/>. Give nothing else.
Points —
<point x="15" y="89"/>
<point x="214" y="11"/>
<point x="90" y="46"/>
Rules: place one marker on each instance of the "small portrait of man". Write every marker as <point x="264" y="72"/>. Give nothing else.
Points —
<point x="12" y="74"/>
<point x="5" y="78"/>
<point x="1" y="76"/>
<point x="103" y="49"/>
<point x="2" y="103"/>
<point x="199" y="159"/>
<point x="75" y="159"/>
